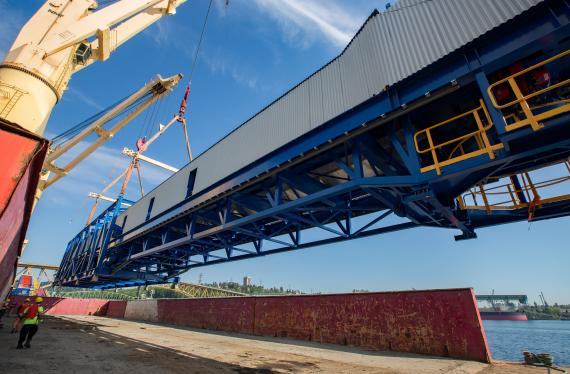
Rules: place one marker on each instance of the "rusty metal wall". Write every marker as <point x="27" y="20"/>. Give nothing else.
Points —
<point x="116" y="309"/>
<point x="435" y="322"/>
<point x="233" y="314"/>
<point x="440" y="322"/>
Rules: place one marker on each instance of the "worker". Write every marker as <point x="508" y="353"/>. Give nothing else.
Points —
<point x="31" y="316"/>
<point x="18" y="321"/>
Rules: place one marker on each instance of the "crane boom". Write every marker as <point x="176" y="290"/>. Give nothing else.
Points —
<point x="61" y="38"/>
<point x="150" y="93"/>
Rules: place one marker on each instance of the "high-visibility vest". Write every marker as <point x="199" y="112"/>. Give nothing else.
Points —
<point x="32" y="314"/>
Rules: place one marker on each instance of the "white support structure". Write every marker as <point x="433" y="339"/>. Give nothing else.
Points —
<point x="61" y="38"/>
<point x="99" y="196"/>
<point x="131" y="153"/>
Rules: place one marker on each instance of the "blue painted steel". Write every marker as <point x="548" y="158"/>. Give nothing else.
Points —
<point x="344" y="178"/>
<point x="500" y="48"/>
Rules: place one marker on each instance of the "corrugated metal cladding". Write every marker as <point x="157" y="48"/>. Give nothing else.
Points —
<point x="390" y="47"/>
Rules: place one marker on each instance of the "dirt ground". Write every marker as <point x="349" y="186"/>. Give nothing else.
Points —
<point x="86" y="344"/>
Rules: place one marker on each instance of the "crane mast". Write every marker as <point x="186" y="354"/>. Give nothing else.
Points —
<point x="62" y="38"/>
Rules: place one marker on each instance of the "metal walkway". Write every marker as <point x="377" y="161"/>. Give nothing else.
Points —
<point x="494" y="110"/>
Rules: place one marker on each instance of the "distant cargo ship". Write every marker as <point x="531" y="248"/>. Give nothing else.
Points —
<point x="501" y="315"/>
<point x="502" y="307"/>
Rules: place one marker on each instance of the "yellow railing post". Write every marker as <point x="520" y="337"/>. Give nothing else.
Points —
<point x="474" y="195"/>
<point x="479" y="140"/>
<point x="460" y="202"/>
<point x="524" y="105"/>
<point x="483" y="134"/>
<point x="433" y="152"/>
<point x="532" y="187"/>
<point x="484" y="196"/>
<point x="526" y="190"/>
<point x="511" y="194"/>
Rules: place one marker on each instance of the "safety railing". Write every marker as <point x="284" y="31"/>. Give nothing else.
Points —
<point x="520" y="192"/>
<point x="520" y="111"/>
<point x="446" y="152"/>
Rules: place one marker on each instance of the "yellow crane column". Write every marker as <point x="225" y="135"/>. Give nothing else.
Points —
<point x="63" y="37"/>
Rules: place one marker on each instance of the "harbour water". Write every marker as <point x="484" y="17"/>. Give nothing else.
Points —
<point x="508" y="339"/>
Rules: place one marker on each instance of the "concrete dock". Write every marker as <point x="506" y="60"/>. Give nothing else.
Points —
<point x="89" y="344"/>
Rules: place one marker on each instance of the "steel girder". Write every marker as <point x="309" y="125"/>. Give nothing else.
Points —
<point x="271" y="217"/>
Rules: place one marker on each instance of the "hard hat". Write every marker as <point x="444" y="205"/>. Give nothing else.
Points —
<point x="39" y="299"/>
<point x="27" y="299"/>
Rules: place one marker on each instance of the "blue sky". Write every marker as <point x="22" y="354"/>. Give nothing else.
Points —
<point x="253" y="51"/>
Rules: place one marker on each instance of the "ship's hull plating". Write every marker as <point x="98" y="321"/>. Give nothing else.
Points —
<point x="503" y="316"/>
<point x="21" y="159"/>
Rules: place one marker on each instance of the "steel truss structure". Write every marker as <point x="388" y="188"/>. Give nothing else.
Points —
<point x="182" y="289"/>
<point x="191" y="290"/>
<point x="87" y="294"/>
<point x="345" y="178"/>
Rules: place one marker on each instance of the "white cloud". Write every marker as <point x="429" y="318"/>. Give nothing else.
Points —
<point x="161" y="33"/>
<point x="220" y="65"/>
<point x="166" y="34"/>
<point x="306" y="21"/>
<point x="72" y="92"/>
<point x="244" y="79"/>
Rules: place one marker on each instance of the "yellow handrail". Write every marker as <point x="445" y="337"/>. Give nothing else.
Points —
<point x="529" y="189"/>
<point x="480" y="134"/>
<point x="522" y="100"/>
<point x="428" y="130"/>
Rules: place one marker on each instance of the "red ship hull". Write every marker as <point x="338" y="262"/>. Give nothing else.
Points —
<point x="504" y="316"/>
<point x="21" y="158"/>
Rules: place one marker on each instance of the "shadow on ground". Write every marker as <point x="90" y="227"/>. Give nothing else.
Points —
<point x="63" y="345"/>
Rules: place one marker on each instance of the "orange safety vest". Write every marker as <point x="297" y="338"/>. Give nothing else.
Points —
<point x="31" y="311"/>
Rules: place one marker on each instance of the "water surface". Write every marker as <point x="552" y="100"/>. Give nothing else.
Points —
<point x="508" y="339"/>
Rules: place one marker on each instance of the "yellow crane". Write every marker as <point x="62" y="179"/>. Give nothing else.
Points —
<point x="62" y="38"/>
<point x="134" y="104"/>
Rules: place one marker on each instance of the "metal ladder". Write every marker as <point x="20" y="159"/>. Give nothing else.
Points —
<point x="10" y="105"/>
